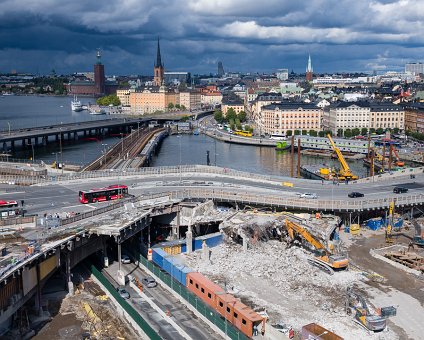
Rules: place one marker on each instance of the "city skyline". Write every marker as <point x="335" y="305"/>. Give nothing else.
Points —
<point x="195" y="35"/>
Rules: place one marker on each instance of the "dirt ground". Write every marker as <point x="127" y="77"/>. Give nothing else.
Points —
<point x="72" y="320"/>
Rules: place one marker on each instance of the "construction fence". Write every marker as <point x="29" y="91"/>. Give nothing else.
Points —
<point x="149" y="331"/>
<point x="197" y="303"/>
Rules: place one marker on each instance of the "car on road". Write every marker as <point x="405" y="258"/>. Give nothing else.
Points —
<point x="309" y="195"/>
<point x="400" y="190"/>
<point x="355" y="194"/>
<point x="149" y="282"/>
<point x="123" y="293"/>
<point x="125" y="259"/>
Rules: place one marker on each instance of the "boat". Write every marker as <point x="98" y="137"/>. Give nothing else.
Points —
<point x="76" y="105"/>
<point x="96" y="110"/>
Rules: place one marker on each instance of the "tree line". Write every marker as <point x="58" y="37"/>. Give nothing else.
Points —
<point x="233" y="119"/>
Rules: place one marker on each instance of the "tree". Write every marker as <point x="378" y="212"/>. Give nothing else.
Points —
<point x="355" y="132"/>
<point x="348" y="133"/>
<point x="328" y="132"/>
<point x="231" y="114"/>
<point x="182" y="107"/>
<point x="177" y="106"/>
<point x="364" y="131"/>
<point x="289" y="133"/>
<point x="184" y="118"/>
<point x="396" y="130"/>
<point x="321" y="133"/>
<point x="313" y="133"/>
<point x="232" y="126"/>
<point x="340" y="133"/>
<point x="372" y="130"/>
<point x="248" y="128"/>
<point x="379" y="131"/>
<point x="296" y="132"/>
<point x="304" y="132"/>
<point x="109" y="100"/>
<point x="219" y="117"/>
<point x="242" y="116"/>
<point x="170" y="106"/>
<point x="238" y="124"/>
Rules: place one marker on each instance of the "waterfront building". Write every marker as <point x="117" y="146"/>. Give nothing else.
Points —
<point x="158" y="70"/>
<point x="190" y="99"/>
<point x="345" y="115"/>
<point x="414" y="68"/>
<point x="261" y="100"/>
<point x="387" y="116"/>
<point x="210" y="95"/>
<point x="98" y="87"/>
<point x="278" y="118"/>
<point x="235" y="104"/>
<point x="151" y="100"/>
<point x="124" y="96"/>
<point x="309" y="70"/>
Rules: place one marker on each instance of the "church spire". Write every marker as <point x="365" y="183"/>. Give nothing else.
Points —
<point x="158" y="57"/>
<point x="309" y="68"/>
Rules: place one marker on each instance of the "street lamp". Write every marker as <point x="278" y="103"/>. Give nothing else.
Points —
<point x="105" y="152"/>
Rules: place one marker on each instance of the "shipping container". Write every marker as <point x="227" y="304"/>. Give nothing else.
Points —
<point x="375" y="223"/>
<point x="212" y="240"/>
<point x="158" y="255"/>
<point x="317" y="332"/>
<point x="203" y="288"/>
<point x="184" y="272"/>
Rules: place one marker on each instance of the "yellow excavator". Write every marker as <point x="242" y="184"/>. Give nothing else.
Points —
<point x="324" y="259"/>
<point x="389" y="236"/>
<point x="344" y="173"/>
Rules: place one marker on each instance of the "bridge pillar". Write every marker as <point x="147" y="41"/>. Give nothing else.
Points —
<point x="120" y="275"/>
<point x="189" y="239"/>
<point x="176" y="229"/>
<point x="69" y="135"/>
<point x="38" y="292"/>
<point x="4" y="146"/>
<point x="57" y="138"/>
<point x="85" y="133"/>
<point x="68" y="274"/>
<point x="12" y="145"/>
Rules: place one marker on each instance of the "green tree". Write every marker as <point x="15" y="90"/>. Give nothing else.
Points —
<point x="109" y="100"/>
<point x="304" y="132"/>
<point x="364" y="131"/>
<point x="355" y="132"/>
<point x="328" y="132"/>
<point x="178" y="106"/>
<point x="238" y="124"/>
<point x="396" y="130"/>
<point x="170" y="106"/>
<point x="289" y="133"/>
<point x="296" y="132"/>
<point x="372" y="130"/>
<point x="182" y="107"/>
<point x="321" y="133"/>
<point x="232" y="126"/>
<point x="242" y="116"/>
<point x="184" y="118"/>
<point x="313" y="133"/>
<point x="231" y="114"/>
<point x="348" y="133"/>
<point x="219" y="117"/>
<point x="340" y="133"/>
<point x="379" y="131"/>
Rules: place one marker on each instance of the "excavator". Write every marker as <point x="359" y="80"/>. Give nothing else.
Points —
<point x="344" y="173"/>
<point x="389" y="227"/>
<point x="324" y="259"/>
<point x="398" y="161"/>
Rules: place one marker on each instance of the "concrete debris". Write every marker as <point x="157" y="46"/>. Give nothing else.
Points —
<point x="270" y="275"/>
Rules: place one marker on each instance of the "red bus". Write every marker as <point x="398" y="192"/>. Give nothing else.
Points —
<point x="8" y="204"/>
<point x="112" y="192"/>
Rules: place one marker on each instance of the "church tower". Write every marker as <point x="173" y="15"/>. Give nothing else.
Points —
<point x="99" y="75"/>
<point x="158" y="70"/>
<point x="309" y="70"/>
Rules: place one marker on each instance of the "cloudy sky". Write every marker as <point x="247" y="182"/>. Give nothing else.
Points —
<point x="246" y="35"/>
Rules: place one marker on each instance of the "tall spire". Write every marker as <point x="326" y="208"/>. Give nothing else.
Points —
<point x="309" y="68"/>
<point x="158" y="58"/>
<point x="98" y="57"/>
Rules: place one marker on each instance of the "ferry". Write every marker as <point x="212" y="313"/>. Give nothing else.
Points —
<point x="96" y="110"/>
<point x="76" y="105"/>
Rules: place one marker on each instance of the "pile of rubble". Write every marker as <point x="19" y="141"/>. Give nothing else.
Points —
<point x="280" y="279"/>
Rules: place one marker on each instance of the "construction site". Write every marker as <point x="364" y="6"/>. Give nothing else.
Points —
<point x="306" y="268"/>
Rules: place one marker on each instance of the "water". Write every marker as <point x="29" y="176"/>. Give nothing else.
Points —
<point x="190" y="149"/>
<point x="30" y="111"/>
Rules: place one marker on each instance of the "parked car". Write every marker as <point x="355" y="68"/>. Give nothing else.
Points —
<point x="149" y="282"/>
<point x="125" y="259"/>
<point x="400" y="190"/>
<point x="123" y="293"/>
<point x="309" y="195"/>
<point x="355" y="194"/>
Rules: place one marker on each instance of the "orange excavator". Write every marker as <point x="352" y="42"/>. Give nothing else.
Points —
<point x="398" y="161"/>
<point x="324" y="258"/>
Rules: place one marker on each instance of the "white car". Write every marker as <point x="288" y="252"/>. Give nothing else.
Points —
<point x="125" y="259"/>
<point x="309" y="195"/>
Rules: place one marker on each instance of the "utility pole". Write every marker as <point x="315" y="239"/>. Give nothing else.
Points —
<point x="292" y="157"/>
<point x="372" y="164"/>
<point x="390" y="156"/>
<point x="298" y="157"/>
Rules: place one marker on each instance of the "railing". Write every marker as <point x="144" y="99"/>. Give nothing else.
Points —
<point x="197" y="303"/>
<point x="393" y="174"/>
<point x="16" y="220"/>
<point x="148" y="330"/>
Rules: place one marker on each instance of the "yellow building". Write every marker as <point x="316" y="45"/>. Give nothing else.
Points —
<point x="152" y="100"/>
<point x="124" y="96"/>
<point x="190" y="99"/>
<point x="236" y="106"/>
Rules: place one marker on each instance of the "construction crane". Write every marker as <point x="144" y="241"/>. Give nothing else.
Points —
<point x="324" y="258"/>
<point x="398" y="161"/>
<point x="389" y="227"/>
<point x="345" y="173"/>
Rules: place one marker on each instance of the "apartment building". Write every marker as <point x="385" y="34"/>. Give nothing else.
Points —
<point x="192" y="100"/>
<point x="387" y="116"/>
<point x="124" y="96"/>
<point x="345" y="115"/>
<point x="150" y="100"/>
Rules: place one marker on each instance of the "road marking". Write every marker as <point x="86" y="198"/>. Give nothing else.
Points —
<point x="13" y="193"/>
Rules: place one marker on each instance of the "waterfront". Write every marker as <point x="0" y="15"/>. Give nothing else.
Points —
<point x="30" y="111"/>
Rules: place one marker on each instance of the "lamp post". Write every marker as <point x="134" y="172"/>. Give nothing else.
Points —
<point x="104" y="152"/>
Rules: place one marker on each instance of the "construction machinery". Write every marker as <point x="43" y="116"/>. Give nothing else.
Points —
<point x="389" y="227"/>
<point x="418" y="239"/>
<point x="398" y="161"/>
<point x="324" y="259"/>
<point x="365" y="315"/>
<point x="344" y="173"/>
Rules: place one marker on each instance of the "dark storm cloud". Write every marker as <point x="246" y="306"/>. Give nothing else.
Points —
<point x="247" y="35"/>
